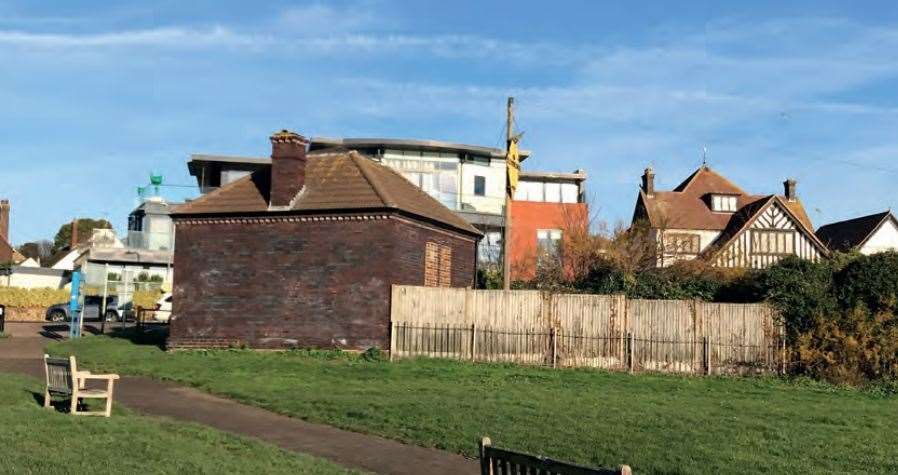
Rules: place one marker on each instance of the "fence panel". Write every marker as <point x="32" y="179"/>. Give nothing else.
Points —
<point x="601" y="331"/>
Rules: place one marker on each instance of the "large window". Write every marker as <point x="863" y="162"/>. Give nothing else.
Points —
<point x="437" y="176"/>
<point x="547" y="192"/>
<point x="772" y="242"/>
<point x="548" y="241"/>
<point x="437" y="265"/>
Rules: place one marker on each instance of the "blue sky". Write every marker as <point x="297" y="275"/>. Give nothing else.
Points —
<point x="96" y="95"/>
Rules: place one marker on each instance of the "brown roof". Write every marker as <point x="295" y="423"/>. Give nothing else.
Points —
<point x="686" y="207"/>
<point x="335" y="181"/>
<point x="849" y="234"/>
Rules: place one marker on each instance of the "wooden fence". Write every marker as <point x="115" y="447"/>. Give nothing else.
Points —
<point x="603" y="331"/>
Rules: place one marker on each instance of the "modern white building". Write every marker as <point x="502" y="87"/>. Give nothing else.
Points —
<point x="468" y="179"/>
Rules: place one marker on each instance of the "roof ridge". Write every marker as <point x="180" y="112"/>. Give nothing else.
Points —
<point x="682" y="187"/>
<point x="358" y="160"/>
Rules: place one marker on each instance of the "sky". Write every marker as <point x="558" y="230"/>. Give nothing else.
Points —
<point x="96" y="96"/>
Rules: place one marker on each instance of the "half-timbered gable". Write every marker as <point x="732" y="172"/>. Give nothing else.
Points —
<point x="707" y="216"/>
<point x="771" y="234"/>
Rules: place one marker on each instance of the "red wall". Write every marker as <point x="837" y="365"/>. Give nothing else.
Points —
<point x="529" y="216"/>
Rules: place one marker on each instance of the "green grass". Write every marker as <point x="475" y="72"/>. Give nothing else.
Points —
<point x="36" y="440"/>
<point x="657" y="424"/>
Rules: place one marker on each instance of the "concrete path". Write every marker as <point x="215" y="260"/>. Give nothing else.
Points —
<point x="22" y="352"/>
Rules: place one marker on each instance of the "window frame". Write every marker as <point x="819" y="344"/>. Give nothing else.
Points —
<point x="481" y="181"/>
<point x="756" y="243"/>
<point x="671" y="238"/>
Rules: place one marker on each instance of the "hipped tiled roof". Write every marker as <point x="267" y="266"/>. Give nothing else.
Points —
<point x="686" y="207"/>
<point x="851" y="233"/>
<point x="335" y="181"/>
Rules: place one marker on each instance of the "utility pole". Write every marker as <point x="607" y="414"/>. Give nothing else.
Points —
<point x="511" y="177"/>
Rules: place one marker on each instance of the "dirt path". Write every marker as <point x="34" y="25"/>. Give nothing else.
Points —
<point x="22" y="353"/>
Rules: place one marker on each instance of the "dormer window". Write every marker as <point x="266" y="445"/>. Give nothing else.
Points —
<point x="723" y="203"/>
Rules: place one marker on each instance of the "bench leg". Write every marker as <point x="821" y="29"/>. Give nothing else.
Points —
<point x="73" y="408"/>
<point x="46" y="399"/>
<point x="109" y="388"/>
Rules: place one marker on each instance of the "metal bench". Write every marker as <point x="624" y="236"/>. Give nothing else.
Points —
<point x="65" y="381"/>
<point x="496" y="461"/>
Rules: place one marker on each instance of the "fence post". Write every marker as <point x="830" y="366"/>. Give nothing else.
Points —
<point x="706" y="352"/>
<point x="393" y="326"/>
<point x="554" y="337"/>
<point x="473" y="342"/>
<point x="630" y="344"/>
<point x="783" y="338"/>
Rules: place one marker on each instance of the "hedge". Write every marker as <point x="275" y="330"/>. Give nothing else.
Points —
<point x="15" y="297"/>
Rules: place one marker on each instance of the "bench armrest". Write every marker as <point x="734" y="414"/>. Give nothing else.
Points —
<point x="88" y="375"/>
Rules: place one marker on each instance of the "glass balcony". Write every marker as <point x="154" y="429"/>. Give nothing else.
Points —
<point x="151" y="241"/>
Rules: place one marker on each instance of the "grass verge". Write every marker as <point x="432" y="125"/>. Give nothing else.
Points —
<point x="657" y="424"/>
<point x="36" y="440"/>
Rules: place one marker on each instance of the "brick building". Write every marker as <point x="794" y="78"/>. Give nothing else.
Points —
<point x="546" y="208"/>
<point x="304" y="252"/>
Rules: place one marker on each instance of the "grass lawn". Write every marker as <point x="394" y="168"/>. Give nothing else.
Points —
<point x="36" y="440"/>
<point x="657" y="424"/>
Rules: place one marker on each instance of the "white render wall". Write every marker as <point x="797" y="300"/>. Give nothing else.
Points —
<point x="494" y="173"/>
<point x="883" y="239"/>
<point x="706" y="237"/>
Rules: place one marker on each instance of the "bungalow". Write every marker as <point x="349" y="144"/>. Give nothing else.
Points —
<point x="304" y="252"/>
<point x="709" y="217"/>
<point x="867" y="234"/>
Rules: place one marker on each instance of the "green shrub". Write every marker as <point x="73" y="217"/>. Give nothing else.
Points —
<point x="800" y="290"/>
<point x="871" y="281"/>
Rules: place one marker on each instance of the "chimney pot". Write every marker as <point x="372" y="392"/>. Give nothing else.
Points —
<point x="288" y="166"/>
<point x="789" y="189"/>
<point x="648" y="181"/>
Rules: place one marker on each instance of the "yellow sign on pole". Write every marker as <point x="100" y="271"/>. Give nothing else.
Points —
<point x="513" y="164"/>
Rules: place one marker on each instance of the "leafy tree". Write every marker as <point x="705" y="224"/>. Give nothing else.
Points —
<point x="40" y="250"/>
<point x="85" y="229"/>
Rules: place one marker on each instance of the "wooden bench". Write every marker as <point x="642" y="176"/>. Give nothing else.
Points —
<point x="496" y="461"/>
<point x="65" y="381"/>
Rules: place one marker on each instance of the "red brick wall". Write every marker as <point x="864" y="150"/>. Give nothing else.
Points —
<point x="320" y="284"/>
<point x="529" y="216"/>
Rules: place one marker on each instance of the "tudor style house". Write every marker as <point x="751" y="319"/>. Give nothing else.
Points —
<point x="867" y="234"/>
<point x="304" y="251"/>
<point x="709" y="217"/>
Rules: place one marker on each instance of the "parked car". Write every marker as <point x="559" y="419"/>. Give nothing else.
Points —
<point x="91" y="310"/>
<point x="163" y="308"/>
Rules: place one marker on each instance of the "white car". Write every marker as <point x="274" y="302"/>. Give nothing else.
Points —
<point x="163" y="308"/>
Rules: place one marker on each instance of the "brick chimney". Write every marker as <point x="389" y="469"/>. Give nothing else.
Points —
<point x="789" y="189"/>
<point x="288" y="167"/>
<point x="74" y="242"/>
<point x="4" y="220"/>
<point x="648" y="181"/>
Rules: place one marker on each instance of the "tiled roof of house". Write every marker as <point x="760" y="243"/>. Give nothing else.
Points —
<point x="335" y="181"/>
<point x="851" y="233"/>
<point x="686" y="207"/>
